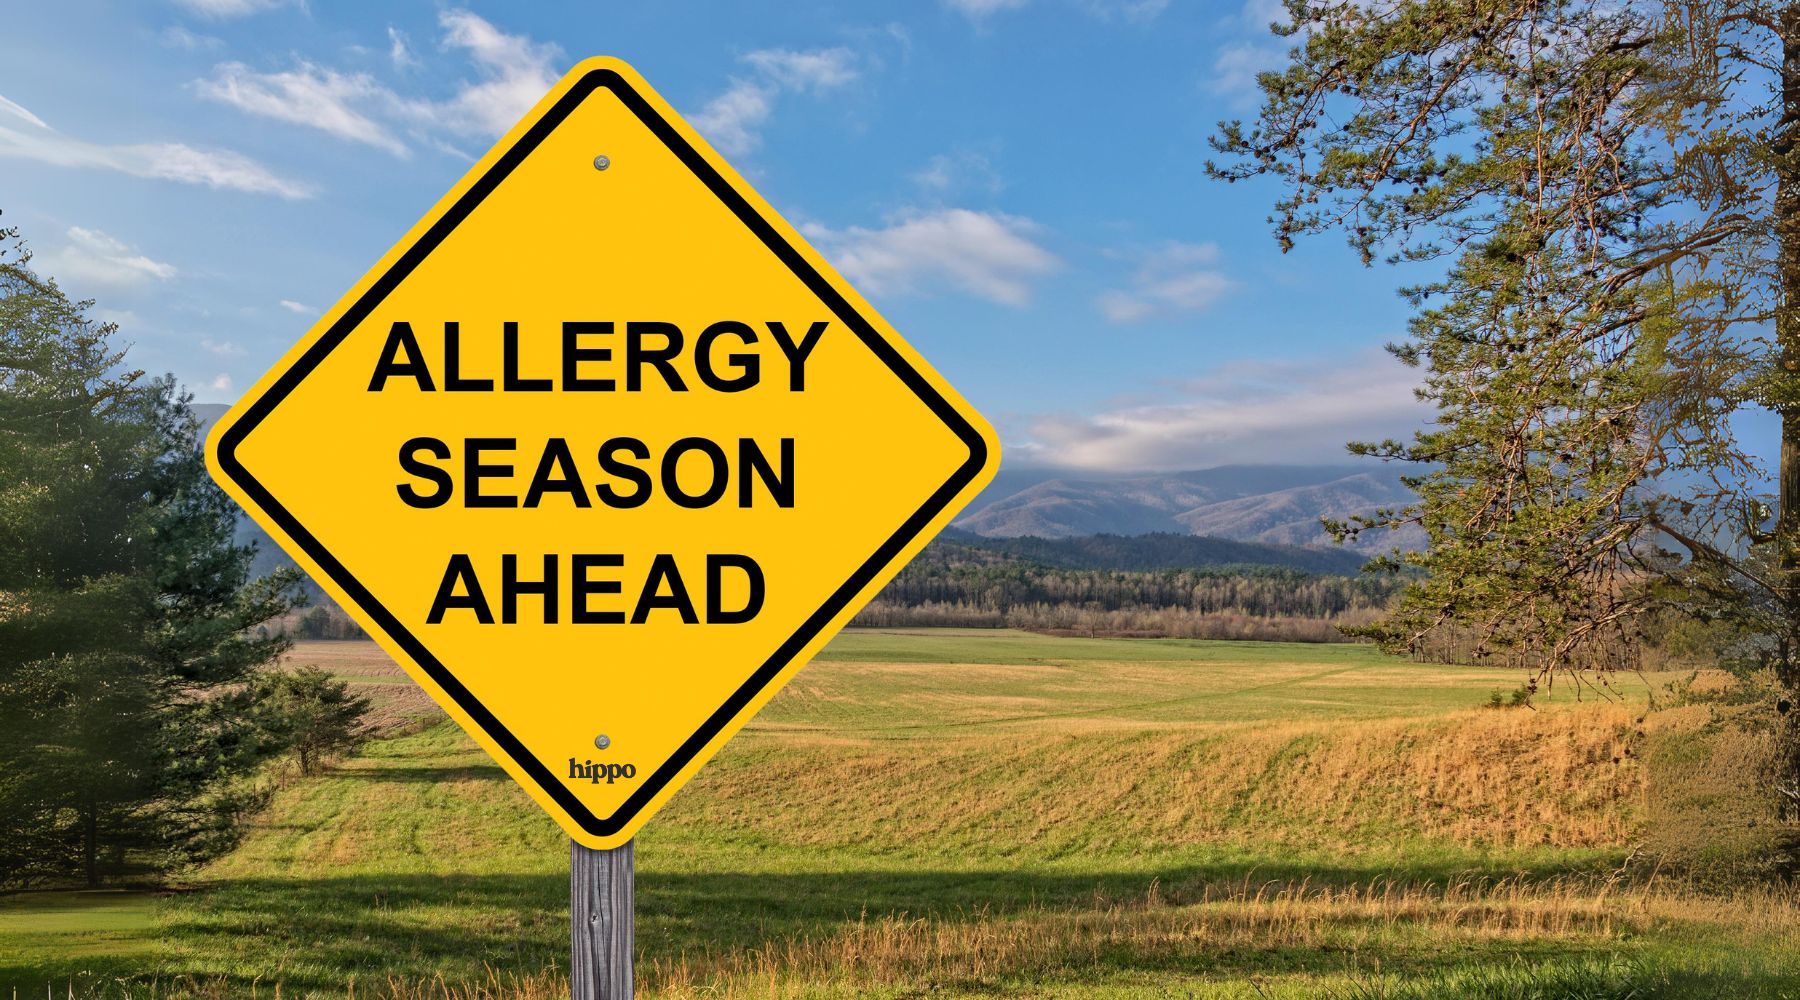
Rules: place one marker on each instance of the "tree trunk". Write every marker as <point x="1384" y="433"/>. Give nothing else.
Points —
<point x="1787" y="339"/>
<point x="90" y="843"/>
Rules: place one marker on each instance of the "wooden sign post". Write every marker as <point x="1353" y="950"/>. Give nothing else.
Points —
<point x="600" y="912"/>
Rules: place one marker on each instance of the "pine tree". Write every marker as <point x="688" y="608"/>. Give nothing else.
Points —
<point x="129" y="625"/>
<point x="314" y="713"/>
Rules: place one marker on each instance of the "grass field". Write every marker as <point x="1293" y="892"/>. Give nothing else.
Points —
<point x="963" y="814"/>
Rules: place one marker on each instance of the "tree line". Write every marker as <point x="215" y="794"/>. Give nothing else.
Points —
<point x="956" y="584"/>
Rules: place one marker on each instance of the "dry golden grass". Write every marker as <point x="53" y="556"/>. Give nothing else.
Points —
<point x="1564" y="778"/>
<point x="1250" y="918"/>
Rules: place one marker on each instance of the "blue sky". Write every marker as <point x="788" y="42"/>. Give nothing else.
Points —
<point x="1016" y="184"/>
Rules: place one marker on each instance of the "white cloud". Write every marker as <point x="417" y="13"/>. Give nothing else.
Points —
<point x="222" y="9"/>
<point x="309" y="95"/>
<point x="1173" y="279"/>
<point x="297" y="308"/>
<point x="177" y="37"/>
<point x="1236" y="64"/>
<point x="90" y="259"/>
<point x="1282" y="411"/>
<point x="18" y="111"/>
<point x="986" y="254"/>
<point x="732" y="121"/>
<point x="816" y="70"/>
<point x="515" y="72"/>
<point x="512" y="74"/>
<point x="214" y="168"/>
<point x="220" y="383"/>
<point x="25" y="136"/>
<point x="977" y="10"/>
<point x="221" y="348"/>
<point x="959" y="171"/>
<point x="1257" y="16"/>
<point x="1235" y="68"/>
<point x="1136" y="11"/>
<point x="400" y="49"/>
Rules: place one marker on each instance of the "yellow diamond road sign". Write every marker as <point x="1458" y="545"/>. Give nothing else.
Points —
<point x="602" y="451"/>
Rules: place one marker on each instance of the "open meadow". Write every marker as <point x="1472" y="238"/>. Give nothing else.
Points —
<point x="984" y="813"/>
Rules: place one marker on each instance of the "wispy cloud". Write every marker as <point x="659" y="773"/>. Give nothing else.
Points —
<point x="986" y="254"/>
<point x="979" y="10"/>
<point x="817" y="69"/>
<point x="224" y="9"/>
<point x="18" y="111"/>
<point x="960" y="170"/>
<point x="1174" y="278"/>
<point x="733" y="120"/>
<point x="1251" y="411"/>
<point x="513" y="72"/>
<point x="177" y="37"/>
<point x="221" y="348"/>
<point x="298" y="308"/>
<point x="1138" y="11"/>
<point x="400" y="51"/>
<point x="89" y="259"/>
<point x="510" y="74"/>
<point x="24" y="135"/>
<point x="308" y="95"/>
<point x="1237" y="63"/>
<point x="1235" y="68"/>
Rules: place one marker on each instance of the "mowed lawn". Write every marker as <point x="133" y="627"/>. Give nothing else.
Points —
<point x="970" y="813"/>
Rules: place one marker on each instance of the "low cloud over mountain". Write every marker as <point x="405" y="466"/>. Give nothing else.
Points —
<point x="1277" y="504"/>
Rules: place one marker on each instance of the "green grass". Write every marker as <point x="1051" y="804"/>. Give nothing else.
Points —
<point x="76" y="925"/>
<point x="977" y="813"/>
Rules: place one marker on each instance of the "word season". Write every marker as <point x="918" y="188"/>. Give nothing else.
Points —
<point x="727" y="356"/>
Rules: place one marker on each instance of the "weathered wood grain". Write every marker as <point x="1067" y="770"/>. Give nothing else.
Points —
<point x="600" y="901"/>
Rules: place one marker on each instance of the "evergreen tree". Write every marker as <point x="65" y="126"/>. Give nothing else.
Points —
<point x="314" y="714"/>
<point x="128" y="622"/>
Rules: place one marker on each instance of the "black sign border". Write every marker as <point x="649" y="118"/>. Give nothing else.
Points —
<point x="788" y="255"/>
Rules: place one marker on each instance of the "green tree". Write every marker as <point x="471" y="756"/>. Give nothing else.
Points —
<point x="1611" y="195"/>
<point x="128" y="622"/>
<point x="313" y="713"/>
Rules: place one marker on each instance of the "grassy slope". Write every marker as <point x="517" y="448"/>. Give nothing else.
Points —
<point x="962" y="813"/>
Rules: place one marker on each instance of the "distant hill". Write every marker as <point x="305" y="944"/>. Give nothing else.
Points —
<point x="1154" y="552"/>
<point x="1266" y="504"/>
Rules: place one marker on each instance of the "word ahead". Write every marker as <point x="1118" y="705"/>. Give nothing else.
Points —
<point x="461" y="588"/>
